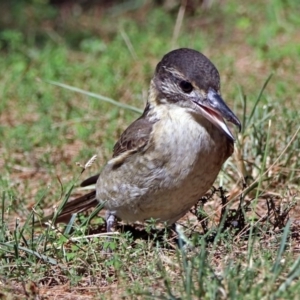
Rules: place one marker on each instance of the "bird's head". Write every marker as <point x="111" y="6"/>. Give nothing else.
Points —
<point x="188" y="79"/>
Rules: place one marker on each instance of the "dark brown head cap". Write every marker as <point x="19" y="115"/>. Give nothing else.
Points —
<point x="195" y="67"/>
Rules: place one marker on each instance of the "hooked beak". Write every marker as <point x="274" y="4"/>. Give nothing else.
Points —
<point x="215" y="110"/>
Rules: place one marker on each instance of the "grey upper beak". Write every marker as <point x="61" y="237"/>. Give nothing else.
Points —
<point x="216" y="103"/>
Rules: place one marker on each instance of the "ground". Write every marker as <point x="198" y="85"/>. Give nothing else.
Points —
<point x="240" y="242"/>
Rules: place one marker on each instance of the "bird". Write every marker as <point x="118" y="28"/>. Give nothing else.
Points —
<point x="168" y="158"/>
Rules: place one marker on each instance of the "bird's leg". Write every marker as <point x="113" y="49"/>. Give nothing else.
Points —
<point x="110" y="220"/>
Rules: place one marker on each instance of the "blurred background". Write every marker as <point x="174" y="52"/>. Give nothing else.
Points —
<point x="111" y="48"/>
<point x="53" y="53"/>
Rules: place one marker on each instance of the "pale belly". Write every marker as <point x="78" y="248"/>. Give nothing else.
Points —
<point x="165" y="180"/>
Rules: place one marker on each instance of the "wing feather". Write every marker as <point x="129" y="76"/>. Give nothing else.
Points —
<point x="136" y="136"/>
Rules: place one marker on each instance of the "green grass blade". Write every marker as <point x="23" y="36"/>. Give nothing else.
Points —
<point x="29" y="251"/>
<point x="97" y="96"/>
<point x="293" y="274"/>
<point x="276" y="267"/>
<point x="259" y="97"/>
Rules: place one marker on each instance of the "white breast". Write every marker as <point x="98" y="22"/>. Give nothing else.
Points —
<point x="184" y="156"/>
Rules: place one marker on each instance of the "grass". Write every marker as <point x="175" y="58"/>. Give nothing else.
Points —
<point x="246" y="243"/>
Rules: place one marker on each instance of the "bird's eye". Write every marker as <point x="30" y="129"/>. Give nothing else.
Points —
<point x="186" y="86"/>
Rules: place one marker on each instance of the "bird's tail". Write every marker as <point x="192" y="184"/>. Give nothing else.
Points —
<point x="77" y="205"/>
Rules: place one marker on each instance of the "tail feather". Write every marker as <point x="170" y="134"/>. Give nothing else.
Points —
<point x="89" y="181"/>
<point x="77" y="205"/>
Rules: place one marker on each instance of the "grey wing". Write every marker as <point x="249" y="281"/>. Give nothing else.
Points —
<point x="135" y="136"/>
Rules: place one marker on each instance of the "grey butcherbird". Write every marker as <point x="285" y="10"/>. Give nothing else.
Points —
<point x="169" y="157"/>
